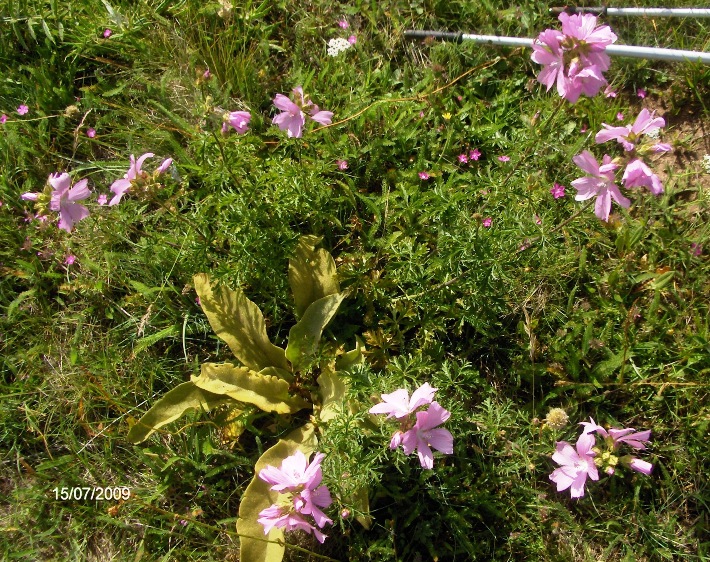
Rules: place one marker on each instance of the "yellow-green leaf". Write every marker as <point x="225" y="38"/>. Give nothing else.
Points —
<point x="264" y="391"/>
<point x="303" y="338"/>
<point x="258" y="496"/>
<point x="311" y="273"/>
<point x="240" y="323"/>
<point x="333" y="390"/>
<point x="353" y="357"/>
<point x="172" y="406"/>
<point x="361" y="502"/>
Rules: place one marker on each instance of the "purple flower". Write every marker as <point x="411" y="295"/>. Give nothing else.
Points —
<point x="399" y="405"/>
<point x="134" y="174"/>
<point x="487" y="222"/>
<point x="629" y="435"/>
<point x="504" y="158"/>
<point x="292" y="117"/>
<point x="641" y="93"/>
<point x="638" y="465"/>
<point x="557" y="190"/>
<point x="638" y="174"/>
<point x="91" y="132"/>
<point x="598" y="183"/>
<point x="238" y="120"/>
<point x="342" y="164"/>
<point x="3" y="119"/>
<point x="576" y="464"/>
<point x="70" y="259"/>
<point x="107" y="33"/>
<point x="102" y="199"/>
<point x="463" y="158"/>
<point x="424" y="176"/>
<point x="279" y="517"/>
<point x="619" y="116"/>
<point x="475" y="154"/>
<point x="23" y="109"/>
<point x="343" y="23"/>
<point x="609" y="92"/>
<point x="64" y="200"/>
<point x="295" y="473"/>
<point x="628" y="136"/>
<point x="352" y="39"/>
<point x="426" y="434"/>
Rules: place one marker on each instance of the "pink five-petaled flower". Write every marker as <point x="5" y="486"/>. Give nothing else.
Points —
<point x="475" y="154"/>
<point x="23" y="109"/>
<point x="135" y="172"/>
<point x="504" y="158"/>
<point x="426" y="434"/>
<point x="238" y="120"/>
<point x="399" y="405"/>
<point x="91" y="132"/>
<point x="576" y="464"/>
<point x="629" y="435"/>
<point x="70" y="259"/>
<point x="3" y="119"/>
<point x="424" y="176"/>
<point x="557" y="190"/>
<point x="342" y="164"/>
<point x="463" y="158"/>
<point x="646" y="123"/>
<point x="598" y="183"/>
<point x="343" y="23"/>
<point x="64" y="200"/>
<point x="107" y="33"/>
<point x="352" y="39"/>
<point x="292" y="117"/>
<point x="487" y="222"/>
<point x="301" y="482"/>
<point x="638" y="174"/>
<point x="641" y="93"/>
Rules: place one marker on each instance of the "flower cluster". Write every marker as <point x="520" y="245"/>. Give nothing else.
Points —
<point x="574" y="58"/>
<point x="300" y="494"/>
<point x="293" y="113"/>
<point x="586" y="457"/>
<point x="419" y="430"/>
<point x="337" y="46"/>
<point x="600" y="179"/>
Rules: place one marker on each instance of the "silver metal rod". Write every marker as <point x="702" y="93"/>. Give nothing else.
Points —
<point x="651" y="53"/>
<point x="649" y="12"/>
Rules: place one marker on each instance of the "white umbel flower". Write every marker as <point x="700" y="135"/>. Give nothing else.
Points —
<point x="337" y="46"/>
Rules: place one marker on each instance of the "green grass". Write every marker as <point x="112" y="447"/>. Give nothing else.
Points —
<point x="579" y="320"/>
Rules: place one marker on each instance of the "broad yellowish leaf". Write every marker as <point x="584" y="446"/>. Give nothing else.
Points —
<point x="240" y="323"/>
<point x="353" y="357"/>
<point x="258" y="496"/>
<point x="361" y="501"/>
<point x="332" y="390"/>
<point x="278" y="373"/>
<point x="311" y="273"/>
<point x="173" y="405"/>
<point x="264" y="391"/>
<point x="303" y="338"/>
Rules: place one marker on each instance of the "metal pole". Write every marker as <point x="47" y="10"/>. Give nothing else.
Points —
<point x="650" y="12"/>
<point x="651" y="53"/>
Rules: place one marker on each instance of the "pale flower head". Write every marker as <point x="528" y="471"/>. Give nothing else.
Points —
<point x="576" y="465"/>
<point x="638" y="174"/>
<point x="293" y="113"/>
<point x="64" y="199"/>
<point x="598" y="183"/>
<point x="426" y="434"/>
<point x="399" y="405"/>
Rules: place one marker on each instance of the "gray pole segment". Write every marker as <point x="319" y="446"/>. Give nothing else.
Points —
<point x="649" y="12"/>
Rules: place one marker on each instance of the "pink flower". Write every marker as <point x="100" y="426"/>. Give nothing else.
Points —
<point x="107" y="33"/>
<point x="399" y="405"/>
<point x="576" y="464"/>
<point x="583" y="129"/>
<point x="426" y="434"/>
<point x="598" y="183"/>
<point x="3" y="119"/>
<point x="696" y="249"/>
<point x="638" y="465"/>
<point x="70" y="259"/>
<point x="609" y="92"/>
<point x="487" y="222"/>
<point x="538" y="220"/>
<point x="504" y="158"/>
<point x="102" y="199"/>
<point x="424" y="176"/>
<point x="276" y="516"/>
<point x="238" y="120"/>
<point x="342" y="164"/>
<point x="463" y="158"/>
<point x="134" y="174"/>
<point x="91" y="132"/>
<point x="23" y="109"/>
<point x="619" y="116"/>
<point x="64" y="200"/>
<point x="475" y="154"/>
<point x="641" y="93"/>
<point x="628" y="136"/>
<point x="295" y="474"/>
<point x="292" y="117"/>
<point x="352" y="39"/>
<point x="638" y="174"/>
<point x="557" y="190"/>
<point x="629" y="435"/>
<point x="343" y="23"/>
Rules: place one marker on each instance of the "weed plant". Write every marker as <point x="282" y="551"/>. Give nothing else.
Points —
<point x="546" y="307"/>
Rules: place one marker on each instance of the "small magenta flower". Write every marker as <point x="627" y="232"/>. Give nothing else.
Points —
<point x="475" y="154"/>
<point x="576" y="465"/>
<point x="3" y="119"/>
<point x="504" y="158"/>
<point x="102" y="199"/>
<point x="342" y="164"/>
<point x="598" y="183"/>
<point x="238" y="120"/>
<point x="23" y="109"/>
<point x="352" y="39"/>
<point x="487" y="222"/>
<point x="463" y="158"/>
<point x="91" y="132"/>
<point x="343" y="23"/>
<point x="557" y="190"/>
<point x="399" y="405"/>
<point x="619" y="116"/>
<point x="107" y="33"/>
<point x="70" y="259"/>
<point x="696" y="249"/>
<point x="424" y="176"/>
<point x="426" y="434"/>
<point x="609" y="92"/>
<point x="292" y="117"/>
<point x="641" y="93"/>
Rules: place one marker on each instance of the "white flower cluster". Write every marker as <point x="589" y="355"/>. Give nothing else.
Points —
<point x="337" y="46"/>
<point x="706" y="163"/>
